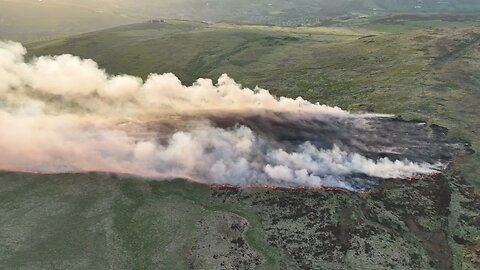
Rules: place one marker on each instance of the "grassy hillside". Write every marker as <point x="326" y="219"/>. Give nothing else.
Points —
<point x="421" y="72"/>
<point x="93" y="221"/>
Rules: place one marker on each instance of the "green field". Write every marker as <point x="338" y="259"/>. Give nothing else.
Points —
<point x="96" y="221"/>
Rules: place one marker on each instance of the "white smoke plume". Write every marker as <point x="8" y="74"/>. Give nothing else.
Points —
<point x="64" y="114"/>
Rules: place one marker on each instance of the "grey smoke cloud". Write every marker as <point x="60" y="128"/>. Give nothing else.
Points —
<point x="64" y="114"/>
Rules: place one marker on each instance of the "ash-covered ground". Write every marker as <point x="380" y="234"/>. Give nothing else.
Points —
<point x="348" y="152"/>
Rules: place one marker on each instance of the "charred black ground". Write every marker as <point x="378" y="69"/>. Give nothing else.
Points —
<point x="371" y="136"/>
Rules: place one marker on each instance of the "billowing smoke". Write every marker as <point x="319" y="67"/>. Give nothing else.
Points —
<point x="64" y="114"/>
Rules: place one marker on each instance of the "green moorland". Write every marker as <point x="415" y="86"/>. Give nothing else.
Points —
<point x="98" y="221"/>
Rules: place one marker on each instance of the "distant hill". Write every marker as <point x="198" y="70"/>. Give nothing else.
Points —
<point x="25" y="19"/>
<point x="264" y="9"/>
<point x="37" y="20"/>
<point x="297" y="11"/>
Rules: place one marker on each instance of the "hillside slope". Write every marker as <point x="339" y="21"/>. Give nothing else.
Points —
<point x="101" y="221"/>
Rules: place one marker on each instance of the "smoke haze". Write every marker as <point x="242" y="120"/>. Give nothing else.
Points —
<point x="64" y="114"/>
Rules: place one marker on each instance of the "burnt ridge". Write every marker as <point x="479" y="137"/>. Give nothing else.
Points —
<point x="371" y="136"/>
